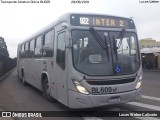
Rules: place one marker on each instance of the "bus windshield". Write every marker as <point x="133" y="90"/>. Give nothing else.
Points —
<point x="112" y="54"/>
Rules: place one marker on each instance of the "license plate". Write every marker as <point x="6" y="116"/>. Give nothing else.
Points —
<point x="114" y="100"/>
<point x="103" y="90"/>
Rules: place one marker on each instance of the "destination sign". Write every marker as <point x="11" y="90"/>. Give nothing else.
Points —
<point x="101" y="21"/>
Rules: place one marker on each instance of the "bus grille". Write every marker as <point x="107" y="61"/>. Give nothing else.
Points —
<point x="110" y="82"/>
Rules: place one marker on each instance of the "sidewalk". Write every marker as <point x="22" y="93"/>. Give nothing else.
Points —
<point x="1" y="108"/>
<point x="5" y="75"/>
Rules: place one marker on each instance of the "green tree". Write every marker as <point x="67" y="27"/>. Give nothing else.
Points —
<point x="3" y="47"/>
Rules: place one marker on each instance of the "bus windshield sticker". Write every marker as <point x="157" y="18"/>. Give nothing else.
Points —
<point x="118" y="69"/>
<point x="95" y="58"/>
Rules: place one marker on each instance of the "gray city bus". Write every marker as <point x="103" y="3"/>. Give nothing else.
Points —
<point x="83" y="60"/>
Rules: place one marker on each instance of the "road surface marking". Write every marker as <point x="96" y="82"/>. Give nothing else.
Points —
<point x="140" y="118"/>
<point x="150" y="97"/>
<point x="153" y="107"/>
<point x="147" y="118"/>
<point x="92" y="118"/>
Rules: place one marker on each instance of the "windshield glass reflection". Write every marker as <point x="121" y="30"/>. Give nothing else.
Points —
<point x="118" y="56"/>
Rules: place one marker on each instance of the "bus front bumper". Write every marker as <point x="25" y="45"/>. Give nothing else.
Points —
<point x="78" y="100"/>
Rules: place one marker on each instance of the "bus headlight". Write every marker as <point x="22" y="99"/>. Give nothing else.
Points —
<point x="139" y="83"/>
<point x="80" y="87"/>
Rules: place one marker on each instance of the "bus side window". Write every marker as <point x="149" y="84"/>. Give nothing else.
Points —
<point x="48" y="47"/>
<point x="26" y="49"/>
<point x="38" y="47"/>
<point x="31" y="52"/>
<point x="22" y="51"/>
<point x="60" y="58"/>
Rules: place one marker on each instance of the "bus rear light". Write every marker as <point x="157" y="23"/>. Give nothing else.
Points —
<point x="80" y="87"/>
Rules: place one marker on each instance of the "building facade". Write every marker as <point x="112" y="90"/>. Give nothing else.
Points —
<point x="148" y="43"/>
<point x="152" y="58"/>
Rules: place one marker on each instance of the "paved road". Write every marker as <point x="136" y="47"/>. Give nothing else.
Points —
<point x="15" y="96"/>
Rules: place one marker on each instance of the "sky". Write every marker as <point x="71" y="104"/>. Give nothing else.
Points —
<point x="20" y="20"/>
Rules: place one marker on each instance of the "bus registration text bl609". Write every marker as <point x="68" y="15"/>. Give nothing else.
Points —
<point x="103" y="90"/>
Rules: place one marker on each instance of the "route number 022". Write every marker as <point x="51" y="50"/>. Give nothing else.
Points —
<point x="84" y="21"/>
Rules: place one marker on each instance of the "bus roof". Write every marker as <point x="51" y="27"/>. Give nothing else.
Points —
<point x="66" y="18"/>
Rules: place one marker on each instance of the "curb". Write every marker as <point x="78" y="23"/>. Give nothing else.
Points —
<point x="155" y="70"/>
<point x="151" y="70"/>
<point x="5" y="75"/>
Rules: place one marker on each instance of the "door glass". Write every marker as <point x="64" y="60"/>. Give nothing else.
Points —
<point x="60" y="59"/>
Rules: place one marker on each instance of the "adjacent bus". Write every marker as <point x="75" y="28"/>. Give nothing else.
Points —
<point x="83" y="60"/>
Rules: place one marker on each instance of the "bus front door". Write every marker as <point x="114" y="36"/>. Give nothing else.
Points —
<point x="60" y="68"/>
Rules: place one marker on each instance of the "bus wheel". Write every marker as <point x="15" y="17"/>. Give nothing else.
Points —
<point x="46" y="90"/>
<point x="23" y="80"/>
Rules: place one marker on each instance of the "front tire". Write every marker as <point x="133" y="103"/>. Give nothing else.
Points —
<point x="46" y="90"/>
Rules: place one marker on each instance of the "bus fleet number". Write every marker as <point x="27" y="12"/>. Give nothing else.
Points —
<point x="84" y="21"/>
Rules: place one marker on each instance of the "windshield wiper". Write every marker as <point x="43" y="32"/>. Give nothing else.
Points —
<point x="97" y="37"/>
<point x="100" y="41"/>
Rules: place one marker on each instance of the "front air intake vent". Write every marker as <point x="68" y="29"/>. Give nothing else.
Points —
<point x="110" y="82"/>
